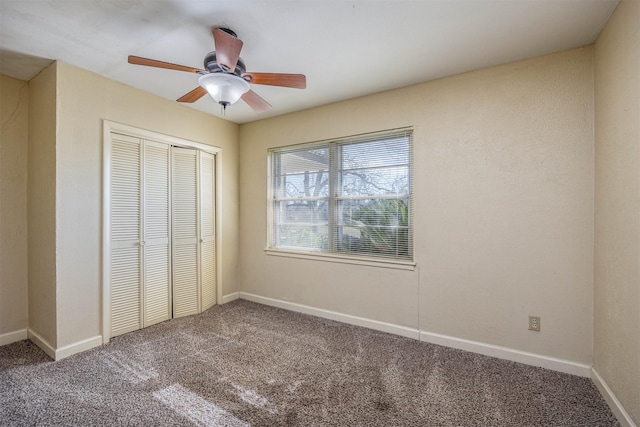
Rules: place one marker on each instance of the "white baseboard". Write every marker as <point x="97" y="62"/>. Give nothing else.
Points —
<point x="614" y="404"/>
<point x="230" y="297"/>
<point x="42" y="343"/>
<point x="332" y="315"/>
<point x="506" y="353"/>
<point x="15" y="336"/>
<point x="67" y="350"/>
<point x="77" y="347"/>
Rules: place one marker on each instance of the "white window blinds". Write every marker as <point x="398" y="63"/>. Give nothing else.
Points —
<point x="350" y="196"/>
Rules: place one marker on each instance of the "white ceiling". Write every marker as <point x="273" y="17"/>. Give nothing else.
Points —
<point x="345" y="48"/>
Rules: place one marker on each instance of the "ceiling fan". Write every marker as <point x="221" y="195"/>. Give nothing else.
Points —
<point x="225" y="77"/>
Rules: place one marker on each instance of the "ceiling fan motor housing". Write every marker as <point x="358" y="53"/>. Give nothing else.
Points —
<point x="211" y="65"/>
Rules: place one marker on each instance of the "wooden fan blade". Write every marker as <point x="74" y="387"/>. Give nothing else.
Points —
<point x="227" y="49"/>
<point x="137" y="60"/>
<point x="194" y="95"/>
<point x="256" y="102"/>
<point x="298" y="81"/>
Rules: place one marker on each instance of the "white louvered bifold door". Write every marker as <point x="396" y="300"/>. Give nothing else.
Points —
<point x="186" y="290"/>
<point x="156" y="231"/>
<point x="207" y="230"/>
<point x="125" y="234"/>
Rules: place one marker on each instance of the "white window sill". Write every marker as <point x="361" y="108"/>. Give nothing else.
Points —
<point x="342" y="259"/>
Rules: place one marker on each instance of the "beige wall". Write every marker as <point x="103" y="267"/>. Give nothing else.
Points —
<point x="41" y="196"/>
<point x="617" y="206"/>
<point x="503" y="208"/>
<point x="14" y="111"/>
<point x="84" y="100"/>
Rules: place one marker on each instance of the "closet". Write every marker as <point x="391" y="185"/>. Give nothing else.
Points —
<point x="161" y="232"/>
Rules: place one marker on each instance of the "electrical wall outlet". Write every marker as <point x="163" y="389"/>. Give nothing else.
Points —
<point x="534" y="323"/>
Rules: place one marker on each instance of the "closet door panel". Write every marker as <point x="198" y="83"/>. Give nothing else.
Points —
<point x="208" y="275"/>
<point x="125" y="290"/>
<point x="156" y="225"/>
<point x="186" y="290"/>
<point x="207" y="230"/>
<point x="185" y="282"/>
<point x="157" y="290"/>
<point x="125" y="234"/>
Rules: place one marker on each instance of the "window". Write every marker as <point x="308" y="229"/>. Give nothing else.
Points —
<point x="350" y="196"/>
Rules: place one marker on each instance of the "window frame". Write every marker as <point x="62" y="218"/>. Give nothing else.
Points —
<point x="334" y="197"/>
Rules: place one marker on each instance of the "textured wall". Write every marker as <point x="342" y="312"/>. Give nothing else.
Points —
<point x="503" y="207"/>
<point x="617" y="206"/>
<point x="84" y="100"/>
<point x="14" y="111"/>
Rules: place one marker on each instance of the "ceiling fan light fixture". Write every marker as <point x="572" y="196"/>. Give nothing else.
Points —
<point x="225" y="89"/>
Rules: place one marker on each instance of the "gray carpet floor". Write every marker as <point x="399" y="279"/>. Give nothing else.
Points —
<point x="245" y="364"/>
